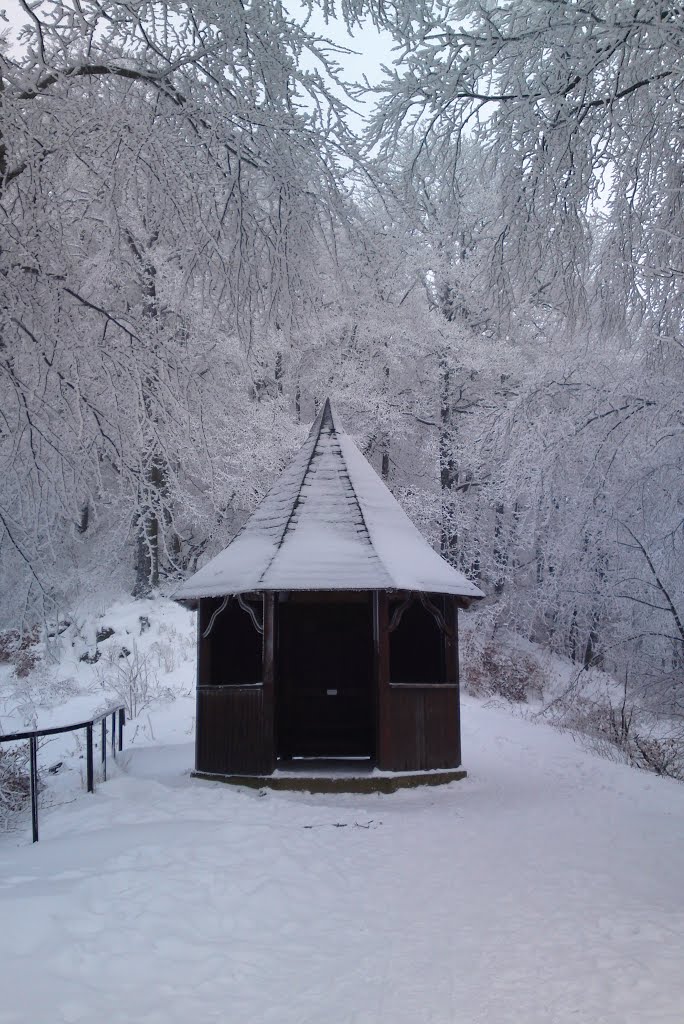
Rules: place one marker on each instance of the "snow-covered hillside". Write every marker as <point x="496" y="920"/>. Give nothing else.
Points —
<point x="138" y="653"/>
<point x="544" y="889"/>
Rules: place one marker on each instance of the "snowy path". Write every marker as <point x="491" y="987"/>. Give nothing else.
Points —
<point x="545" y="889"/>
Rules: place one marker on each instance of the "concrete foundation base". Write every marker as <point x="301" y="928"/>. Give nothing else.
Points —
<point x="331" y="778"/>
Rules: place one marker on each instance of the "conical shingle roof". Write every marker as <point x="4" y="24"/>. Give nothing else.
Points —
<point x="328" y="523"/>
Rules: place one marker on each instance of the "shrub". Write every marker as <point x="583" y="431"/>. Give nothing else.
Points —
<point x="165" y="654"/>
<point x="24" y="663"/>
<point x="8" y="642"/>
<point x="15" y="786"/>
<point x="497" y="671"/>
<point x="134" y="682"/>
<point x="19" y="649"/>
<point x="619" y="729"/>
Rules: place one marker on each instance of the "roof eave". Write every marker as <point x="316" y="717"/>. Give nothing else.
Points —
<point x="190" y="600"/>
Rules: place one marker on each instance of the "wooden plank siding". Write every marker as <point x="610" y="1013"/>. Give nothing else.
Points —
<point x="234" y="734"/>
<point x="424" y="729"/>
<point x="418" y="723"/>
<point x="235" y="731"/>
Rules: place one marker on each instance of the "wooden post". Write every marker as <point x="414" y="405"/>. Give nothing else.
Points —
<point x="197" y="684"/>
<point x="90" y="768"/>
<point x="382" y="680"/>
<point x="457" y="671"/>
<point x="33" y="752"/>
<point x="270" y="620"/>
<point x="452" y="666"/>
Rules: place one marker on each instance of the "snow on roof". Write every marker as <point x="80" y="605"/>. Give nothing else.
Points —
<point x="328" y="523"/>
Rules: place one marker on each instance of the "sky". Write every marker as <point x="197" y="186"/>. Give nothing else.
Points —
<point x="372" y="48"/>
<point x="369" y="51"/>
<point x="369" y="48"/>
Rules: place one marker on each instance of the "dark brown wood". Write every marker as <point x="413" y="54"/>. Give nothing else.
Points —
<point x="270" y="641"/>
<point x="423" y="686"/>
<point x="327" y="686"/>
<point x="382" y="680"/>
<point x="235" y="716"/>
<point x="451" y="660"/>
<point x="419" y="718"/>
<point x="198" y="672"/>
<point x="457" y="673"/>
<point x="234" y="732"/>
<point x="423" y="729"/>
<point x="327" y="596"/>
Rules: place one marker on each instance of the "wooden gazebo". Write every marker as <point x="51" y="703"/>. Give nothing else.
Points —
<point x="328" y="628"/>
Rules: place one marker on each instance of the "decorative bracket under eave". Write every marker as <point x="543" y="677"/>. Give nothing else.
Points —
<point x="258" y="625"/>
<point x="428" y="605"/>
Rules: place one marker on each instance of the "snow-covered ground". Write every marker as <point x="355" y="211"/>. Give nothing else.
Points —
<point x="544" y="889"/>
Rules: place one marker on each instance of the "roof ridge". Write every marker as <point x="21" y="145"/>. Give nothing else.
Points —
<point x="316" y="426"/>
<point x="326" y="417"/>
<point x="327" y="410"/>
<point x="347" y="476"/>
<point x="366" y="527"/>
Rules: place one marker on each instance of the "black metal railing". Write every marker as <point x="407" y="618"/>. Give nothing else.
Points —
<point x="118" y="716"/>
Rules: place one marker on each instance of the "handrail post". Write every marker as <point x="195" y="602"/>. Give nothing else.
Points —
<point x="89" y="758"/>
<point x="34" y="735"/>
<point x="33" y="755"/>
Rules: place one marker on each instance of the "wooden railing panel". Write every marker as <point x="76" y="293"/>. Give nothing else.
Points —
<point x="234" y="731"/>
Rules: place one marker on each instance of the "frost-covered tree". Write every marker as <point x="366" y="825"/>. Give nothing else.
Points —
<point x="551" y="442"/>
<point x="576" y="106"/>
<point x="168" y="174"/>
<point x="194" y="255"/>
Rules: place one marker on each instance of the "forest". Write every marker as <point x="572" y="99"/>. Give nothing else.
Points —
<point x="202" y="239"/>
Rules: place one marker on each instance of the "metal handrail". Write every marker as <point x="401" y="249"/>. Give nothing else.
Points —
<point x="33" y="735"/>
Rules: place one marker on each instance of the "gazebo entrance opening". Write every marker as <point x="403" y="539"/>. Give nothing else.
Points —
<point x="325" y="694"/>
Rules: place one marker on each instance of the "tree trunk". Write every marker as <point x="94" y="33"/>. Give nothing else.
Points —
<point x="448" y="472"/>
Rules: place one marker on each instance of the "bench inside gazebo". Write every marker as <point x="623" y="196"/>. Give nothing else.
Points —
<point x="328" y="634"/>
